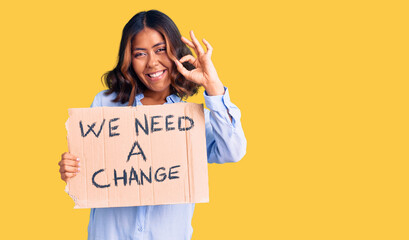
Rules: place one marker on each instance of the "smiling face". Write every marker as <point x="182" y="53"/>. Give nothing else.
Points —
<point x="151" y="62"/>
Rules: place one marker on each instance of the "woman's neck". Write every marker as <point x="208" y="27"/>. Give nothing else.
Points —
<point x="154" y="98"/>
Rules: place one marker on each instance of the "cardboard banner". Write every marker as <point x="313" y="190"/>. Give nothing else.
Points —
<point x="132" y="156"/>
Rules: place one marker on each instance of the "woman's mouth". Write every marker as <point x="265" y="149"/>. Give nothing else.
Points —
<point x="156" y="75"/>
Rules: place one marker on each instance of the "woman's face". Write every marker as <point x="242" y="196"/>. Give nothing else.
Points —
<point x="151" y="62"/>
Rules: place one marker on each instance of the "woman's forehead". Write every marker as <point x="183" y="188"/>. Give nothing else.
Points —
<point x="147" y="38"/>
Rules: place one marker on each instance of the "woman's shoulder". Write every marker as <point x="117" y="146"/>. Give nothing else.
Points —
<point x="103" y="99"/>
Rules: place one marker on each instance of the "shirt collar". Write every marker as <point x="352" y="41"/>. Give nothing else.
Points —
<point x="173" y="98"/>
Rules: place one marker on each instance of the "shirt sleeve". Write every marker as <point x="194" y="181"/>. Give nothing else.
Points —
<point x="97" y="100"/>
<point x="104" y="100"/>
<point x="225" y="140"/>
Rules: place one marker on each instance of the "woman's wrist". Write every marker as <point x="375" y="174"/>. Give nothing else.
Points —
<point x="214" y="88"/>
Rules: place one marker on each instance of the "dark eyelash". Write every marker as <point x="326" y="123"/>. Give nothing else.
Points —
<point x="159" y="50"/>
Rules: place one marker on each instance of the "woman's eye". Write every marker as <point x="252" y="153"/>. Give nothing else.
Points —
<point x="138" y="54"/>
<point x="161" y="49"/>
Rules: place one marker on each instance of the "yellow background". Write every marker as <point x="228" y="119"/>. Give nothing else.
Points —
<point x="323" y="90"/>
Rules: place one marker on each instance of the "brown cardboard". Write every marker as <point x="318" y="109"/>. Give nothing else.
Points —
<point x="175" y="156"/>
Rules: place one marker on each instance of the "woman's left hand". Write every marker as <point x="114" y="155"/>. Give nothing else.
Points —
<point x="205" y="73"/>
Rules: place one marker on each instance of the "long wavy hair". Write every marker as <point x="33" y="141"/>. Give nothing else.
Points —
<point x="123" y="80"/>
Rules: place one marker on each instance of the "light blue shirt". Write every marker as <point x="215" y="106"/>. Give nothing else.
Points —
<point x="225" y="142"/>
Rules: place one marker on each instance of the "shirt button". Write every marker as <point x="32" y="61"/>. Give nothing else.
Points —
<point x="140" y="229"/>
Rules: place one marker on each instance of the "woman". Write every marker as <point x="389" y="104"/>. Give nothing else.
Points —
<point x="156" y="67"/>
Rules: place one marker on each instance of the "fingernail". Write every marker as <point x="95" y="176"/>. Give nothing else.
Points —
<point x="79" y="169"/>
<point x="79" y="164"/>
<point x="78" y="159"/>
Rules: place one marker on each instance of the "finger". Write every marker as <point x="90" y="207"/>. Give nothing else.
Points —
<point x="69" y="169"/>
<point x="67" y="176"/>
<point x="196" y="43"/>
<point x="188" y="58"/>
<point x="182" y="69"/>
<point x="208" y="47"/>
<point x="67" y="155"/>
<point x="188" y="42"/>
<point x="72" y="163"/>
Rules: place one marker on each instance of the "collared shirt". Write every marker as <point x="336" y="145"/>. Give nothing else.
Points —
<point x="225" y="142"/>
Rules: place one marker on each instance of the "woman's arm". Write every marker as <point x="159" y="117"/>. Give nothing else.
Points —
<point x="224" y="135"/>
<point x="225" y="138"/>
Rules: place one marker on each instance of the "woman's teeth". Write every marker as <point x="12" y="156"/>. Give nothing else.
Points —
<point x="156" y="74"/>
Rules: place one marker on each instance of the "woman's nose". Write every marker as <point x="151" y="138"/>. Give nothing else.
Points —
<point x="153" y="60"/>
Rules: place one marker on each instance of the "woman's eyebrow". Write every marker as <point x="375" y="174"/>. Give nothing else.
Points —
<point x="152" y="46"/>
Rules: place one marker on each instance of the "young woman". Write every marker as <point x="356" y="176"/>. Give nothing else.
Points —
<point x="155" y="66"/>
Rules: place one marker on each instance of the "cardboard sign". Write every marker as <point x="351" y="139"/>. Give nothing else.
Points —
<point x="145" y="155"/>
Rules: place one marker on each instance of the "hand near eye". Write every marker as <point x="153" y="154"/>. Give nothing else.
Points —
<point x="205" y="73"/>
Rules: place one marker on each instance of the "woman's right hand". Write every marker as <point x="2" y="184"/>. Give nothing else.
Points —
<point x="69" y="166"/>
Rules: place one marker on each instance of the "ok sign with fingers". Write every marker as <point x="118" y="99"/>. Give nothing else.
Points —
<point x="205" y="73"/>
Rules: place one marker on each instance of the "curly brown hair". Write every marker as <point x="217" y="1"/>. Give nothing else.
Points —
<point x="123" y="80"/>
